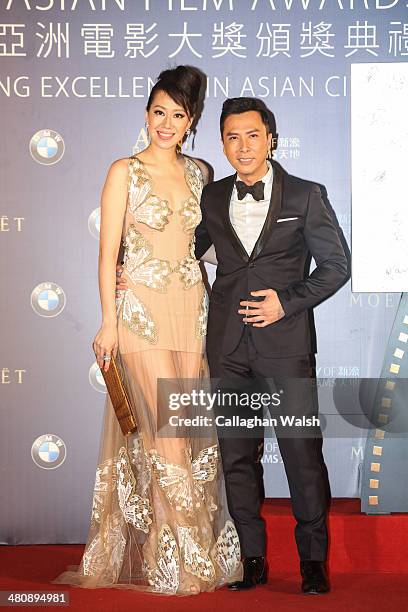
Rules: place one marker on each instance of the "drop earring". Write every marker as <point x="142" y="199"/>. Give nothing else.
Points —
<point x="147" y="132"/>
<point x="179" y="145"/>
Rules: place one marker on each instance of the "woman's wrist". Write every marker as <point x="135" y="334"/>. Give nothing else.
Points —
<point x="106" y="323"/>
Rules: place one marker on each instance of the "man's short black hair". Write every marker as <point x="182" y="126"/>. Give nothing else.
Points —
<point x="235" y="106"/>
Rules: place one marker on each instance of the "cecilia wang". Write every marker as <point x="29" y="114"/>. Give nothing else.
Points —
<point x="334" y="86"/>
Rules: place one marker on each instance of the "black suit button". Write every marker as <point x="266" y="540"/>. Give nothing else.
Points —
<point x="252" y="265"/>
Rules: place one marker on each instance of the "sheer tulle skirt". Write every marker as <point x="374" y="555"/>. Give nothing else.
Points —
<point x="160" y="521"/>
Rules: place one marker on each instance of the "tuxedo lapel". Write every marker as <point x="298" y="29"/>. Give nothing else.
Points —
<point x="229" y="230"/>
<point x="274" y="209"/>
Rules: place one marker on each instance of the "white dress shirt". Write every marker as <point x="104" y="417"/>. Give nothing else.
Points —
<point x="247" y="215"/>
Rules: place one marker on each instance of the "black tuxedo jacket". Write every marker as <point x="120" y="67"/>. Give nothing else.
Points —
<point x="280" y="260"/>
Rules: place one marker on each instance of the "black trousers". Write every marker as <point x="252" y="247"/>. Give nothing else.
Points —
<point x="301" y="453"/>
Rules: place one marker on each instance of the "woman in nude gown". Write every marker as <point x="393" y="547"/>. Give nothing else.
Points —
<point x="160" y="521"/>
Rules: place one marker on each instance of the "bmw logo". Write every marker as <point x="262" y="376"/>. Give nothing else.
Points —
<point x="96" y="378"/>
<point x="49" y="451"/>
<point x="94" y="222"/>
<point x="48" y="299"/>
<point x="47" y="147"/>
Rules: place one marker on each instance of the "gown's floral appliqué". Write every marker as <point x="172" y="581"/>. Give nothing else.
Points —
<point x="190" y="214"/>
<point x="105" y="483"/>
<point x="139" y="184"/>
<point x="204" y="466"/>
<point x="146" y="207"/>
<point x="139" y="264"/>
<point x="142" y="466"/>
<point x="194" y="178"/>
<point x="189" y="271"/>
<point x="104" y="555"/>
<point x="201" y="329"/>
<point x="136" y="510"/>
<point x="136" y="316"/>
<point x="188" y="268"/>
<point x="165" y="578"/>
<point x="186" y="494"/>
<point x="227" y="551"/>
<point x="154" y="212"/>
<point x="190" y="211"/>
<point x="195" y="558"/>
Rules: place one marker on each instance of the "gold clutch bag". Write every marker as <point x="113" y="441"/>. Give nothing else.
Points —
<point x="119" y="398"/>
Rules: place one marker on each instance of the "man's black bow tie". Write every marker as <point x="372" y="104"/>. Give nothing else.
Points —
<point x="256" y="190"/>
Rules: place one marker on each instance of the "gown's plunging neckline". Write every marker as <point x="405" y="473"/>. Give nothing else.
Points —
<point x="186" y="180"/>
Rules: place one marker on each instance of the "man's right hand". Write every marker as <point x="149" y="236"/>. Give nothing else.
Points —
<point x="121" y="283"/>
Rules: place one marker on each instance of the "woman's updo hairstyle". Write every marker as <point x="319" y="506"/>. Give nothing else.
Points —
<point x="183" y="85"/>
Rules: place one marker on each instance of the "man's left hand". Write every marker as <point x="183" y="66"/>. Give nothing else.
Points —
<point x="261" y="314"/>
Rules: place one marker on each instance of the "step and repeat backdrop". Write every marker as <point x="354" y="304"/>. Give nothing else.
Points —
<point x="74" y="81"/>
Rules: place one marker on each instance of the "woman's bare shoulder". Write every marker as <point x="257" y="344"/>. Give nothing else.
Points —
<point x="120" y="166"/>
<point x="118" y="171"/>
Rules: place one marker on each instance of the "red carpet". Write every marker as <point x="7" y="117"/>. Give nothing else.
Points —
<point x="358" y="543"/>
<point x="368" y="566"/>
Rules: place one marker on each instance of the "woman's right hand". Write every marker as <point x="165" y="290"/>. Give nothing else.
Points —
<point x="105" y="343"/>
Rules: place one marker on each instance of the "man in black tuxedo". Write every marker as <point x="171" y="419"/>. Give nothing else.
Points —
<point x="265" y="226"/>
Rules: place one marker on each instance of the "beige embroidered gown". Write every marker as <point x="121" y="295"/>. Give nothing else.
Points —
<point x="159" y="521"/>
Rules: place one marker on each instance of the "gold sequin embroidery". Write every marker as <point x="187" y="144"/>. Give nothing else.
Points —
<point x="136" y="510"/>
<point x="227" y="551"/>
<point x="139" y="185"/>
<point x="104" y="555"/>
<point x="154" y="212"/>
<point x="141" y="461"/>
<point x="137" y="317"/>
<point x="204" y="466"/>
<point x="146" y="207"/>
<point x="105" y="482"/>
<point x="194" y="178"/>
<point x="186" y="494"/>
<point x="166" y="577"/>
<point x="190" y="214"/>
<point x="189" y="270"/>
<point x="191" y="247"/>
<point x="201" y="329"/>
<point x="139" y="264"/>
<point x="195" y="559"/>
